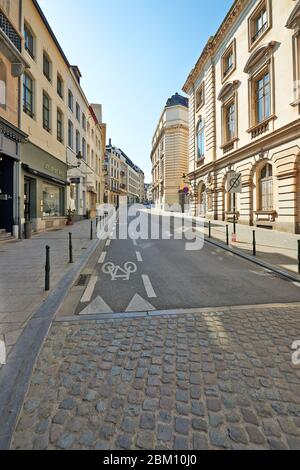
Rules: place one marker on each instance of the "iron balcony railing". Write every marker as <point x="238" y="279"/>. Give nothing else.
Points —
<point x="10" y="32"/>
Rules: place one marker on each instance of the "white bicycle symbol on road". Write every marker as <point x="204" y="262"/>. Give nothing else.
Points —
<point x="117" y="272"/>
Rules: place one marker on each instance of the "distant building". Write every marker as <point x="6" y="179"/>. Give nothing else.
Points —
<point x="169" y="154"/>
<point x="123" y="177"/>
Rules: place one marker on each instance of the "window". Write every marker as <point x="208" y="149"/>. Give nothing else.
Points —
<point x="70" y="100"/>
<point x="52" y="201"/>
<point x="3" y="81"/>
<point x="47" y="67"/>
<point x="230" y="121"/>
<point x="77" y="112"/>
<point x="70" y="134"/>
<point x="60" y="86"/>
<point x="84" y="148"/>
<point x="46" y="112"/>
<point x="28" y="95"/>
<point x="201" y="141"/>
<point x="259" y="22"/>
<point x="200" y="96"/>
<point x="59" y="126"/>
<point x="262" y="98"/>
<point x="266" y="188"/>
<point x="83" y="121"/>
<point x="229" y="60"/>
<point x="77" y="142"/>
<point x="29" y="41"/>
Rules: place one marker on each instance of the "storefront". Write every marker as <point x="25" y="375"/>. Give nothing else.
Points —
<point x="43" y="190"/>
<point x="11" y="139"/>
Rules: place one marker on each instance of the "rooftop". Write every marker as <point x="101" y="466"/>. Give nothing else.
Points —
<point x="176" y="100"/>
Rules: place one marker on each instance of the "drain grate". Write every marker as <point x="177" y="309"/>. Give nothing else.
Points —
<point x="82" y="280"/>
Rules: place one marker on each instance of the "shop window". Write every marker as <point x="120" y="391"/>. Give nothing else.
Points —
<point x="52" y="201"/>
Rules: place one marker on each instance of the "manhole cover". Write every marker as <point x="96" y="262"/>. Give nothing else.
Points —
<point x="82" y="280"/>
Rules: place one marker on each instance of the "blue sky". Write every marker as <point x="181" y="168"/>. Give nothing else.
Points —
<point x="133" y="55"/>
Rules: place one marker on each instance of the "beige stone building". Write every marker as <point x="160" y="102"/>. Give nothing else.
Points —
<point x="12" y="66"/>
<point x="63" y="159"/>
<point x="169" y="154"/>
<point x="244" y="116"/>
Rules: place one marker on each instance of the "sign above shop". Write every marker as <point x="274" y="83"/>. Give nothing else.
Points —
<point x="54" y="170"/>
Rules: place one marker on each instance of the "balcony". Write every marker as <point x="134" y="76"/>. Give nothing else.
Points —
<point x="10" y="32"/>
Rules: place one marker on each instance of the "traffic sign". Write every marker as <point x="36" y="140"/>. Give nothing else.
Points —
<point x="234" y="183"/>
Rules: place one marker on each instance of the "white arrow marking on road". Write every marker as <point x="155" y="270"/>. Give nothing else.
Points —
<point x="139" y="257"/>
<point x="138" y="304"/>
<point x="89" y="290"/>
<point x="148" y="286"/>
<point x="102" y="258"/>
<point x="2" y="352"/>
<point x="97" y="306"/>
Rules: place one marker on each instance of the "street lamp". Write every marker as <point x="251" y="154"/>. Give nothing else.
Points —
<point x="79" y="158"/>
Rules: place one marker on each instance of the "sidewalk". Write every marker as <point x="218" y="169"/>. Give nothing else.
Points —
<point x="22" y="275"/>
<point x="277" y="248"/>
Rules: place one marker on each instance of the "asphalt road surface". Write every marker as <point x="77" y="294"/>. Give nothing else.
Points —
<point x="160" y="274"/>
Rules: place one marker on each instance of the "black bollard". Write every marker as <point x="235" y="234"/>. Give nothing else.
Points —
<point x="47" y="269"/>
<point x="227" y="235"/>
<point x="299" y="256"/>
<point x="209" y="229"/>
<point x="70" y="249"/>
<point x="91" y="230"/>
<point x="254" y="243"/>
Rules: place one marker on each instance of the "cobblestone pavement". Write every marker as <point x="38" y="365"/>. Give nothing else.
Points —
<point x="219" y="380"/>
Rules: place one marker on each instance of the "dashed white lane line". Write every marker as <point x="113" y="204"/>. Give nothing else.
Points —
<point x="134" y="242"/>
<point x="108" y="242"/>
<point x="148" y="287"/>
<point x="102" y="258"/>
<point x="139" y="257"/>
<point x="89" y="290"/>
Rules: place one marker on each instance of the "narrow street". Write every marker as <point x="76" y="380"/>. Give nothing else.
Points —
<point x="153" y="377"/>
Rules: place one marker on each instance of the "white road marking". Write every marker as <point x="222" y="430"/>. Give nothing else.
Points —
<point x="89" y="290"/>
<point x="134" y="242"/>
<point x="139" y="257"/>
<point x="297" y="284"/>
<point x="102" y="258"/>
<point x="97" y="306"/>
<point x="148" y="286"/>
<point x="118" y="272"/>
<point x="108" y="242"/>
<point x="138" y="304"/>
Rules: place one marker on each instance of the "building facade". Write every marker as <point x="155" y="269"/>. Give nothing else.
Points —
<point x="169" y="154"/>
<point x="244" y="116"/>
<point x="123" y="177"/>
<point x="12" y="66"/>
<point x="62" y="161"/>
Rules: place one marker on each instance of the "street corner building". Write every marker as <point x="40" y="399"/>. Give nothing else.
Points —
<point x="12" y="66"/>
<point x="244" y="116"/>
<point x="52" y="140"/>
<point x="169" y="154"/>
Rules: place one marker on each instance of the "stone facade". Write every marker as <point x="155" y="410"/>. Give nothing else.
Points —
<point x="169" y="154"/>
<point x="244" y="116"/>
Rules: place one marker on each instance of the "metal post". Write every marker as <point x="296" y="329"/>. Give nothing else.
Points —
<point x="209" y="229"/>
<point x="227" y="235"/>
<point x="91" y="230"/>
<point x="47" y="269"/>
<point x="254" y="243"/>
<point x="234" y="213"/>
<point x="70" y="249"/>
<point x="299" y="256"/>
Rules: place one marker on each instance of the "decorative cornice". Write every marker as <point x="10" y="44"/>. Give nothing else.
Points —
<point x="12" y="132"/>
<point x="227" y="89"/>
<point x="261" y="52"/>
<point x="214" y="41"/>
<point x="294" y="19"/>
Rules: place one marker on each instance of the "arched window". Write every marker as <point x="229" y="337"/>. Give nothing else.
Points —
<point x="266" y="188"/>
<point x="201" y="140"/>
<point x="2" y="85"/>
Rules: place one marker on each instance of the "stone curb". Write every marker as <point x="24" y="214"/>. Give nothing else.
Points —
<point x="15" y="375"/>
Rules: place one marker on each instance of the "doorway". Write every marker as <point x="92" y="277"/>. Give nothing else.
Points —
<point x="6" y="192"/>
